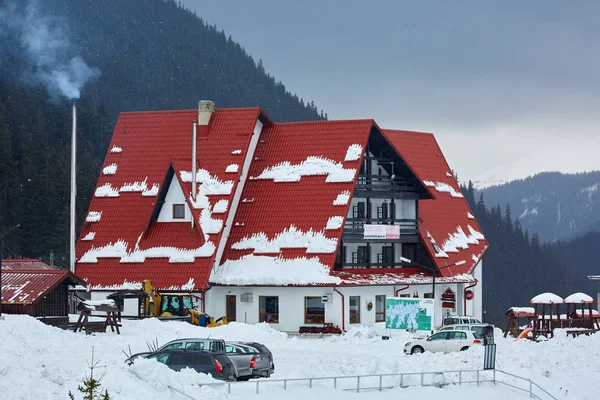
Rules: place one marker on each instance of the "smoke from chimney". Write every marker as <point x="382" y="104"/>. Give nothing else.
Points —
<point x="44" y="40"/>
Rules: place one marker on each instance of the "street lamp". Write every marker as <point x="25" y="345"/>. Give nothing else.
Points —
<point x="1" y="255"/>
<point x="433" y="271"/>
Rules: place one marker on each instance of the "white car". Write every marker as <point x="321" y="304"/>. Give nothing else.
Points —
<point x="444" y="342"/>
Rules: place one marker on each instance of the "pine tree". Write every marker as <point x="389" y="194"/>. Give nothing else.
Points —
<point x="91" y="387"/>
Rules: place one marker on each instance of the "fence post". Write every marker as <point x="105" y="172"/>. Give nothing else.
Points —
<point x="229" y="388"/>
<point x="380" y="381"/>
<point x="494" y="375"/>
<point x="310" y="383"/>
<point x="401" y="380"/>
<point x="530" y="388"/>
<point x="285" y="384"/>
<point x="459" y="378"/>
<point x="422" y="379"/>
<point x="257" y="382"/>
<point x="477" y="377"/>
<point x="357" y="384"/>
<point x="335" y="383"/>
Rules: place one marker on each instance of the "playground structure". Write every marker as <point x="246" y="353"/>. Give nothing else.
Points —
<point x="87" y="307"/>
<point x="545" y="316"/>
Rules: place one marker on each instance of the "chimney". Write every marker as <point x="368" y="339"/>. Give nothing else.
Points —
<point x="205" y="110"/>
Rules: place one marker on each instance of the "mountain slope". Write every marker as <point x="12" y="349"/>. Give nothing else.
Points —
<point x="554" y="205"/>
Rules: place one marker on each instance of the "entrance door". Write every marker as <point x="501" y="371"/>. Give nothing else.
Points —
<point x="230" y="307"/>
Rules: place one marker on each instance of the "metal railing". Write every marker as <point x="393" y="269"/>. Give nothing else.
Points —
<point x="358" y="383"/>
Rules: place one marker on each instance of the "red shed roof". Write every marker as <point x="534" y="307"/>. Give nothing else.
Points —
<point x="119" y="245"/>
<point x="26" y="287"/>
<point x="447" y="220"/>
<point x="24" y="264"/>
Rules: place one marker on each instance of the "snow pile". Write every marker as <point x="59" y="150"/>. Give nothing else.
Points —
<point x="106" y="190"/>
<point x="312" y="166"/>
<point x="292" y="237"/>
<point x="119" y="249"/>
<point x="220" y="207"/>
<point x="367" y="332"/>
<point x="209" y="185"/>
<point x="236" y="152"/>
<point x="579" y="298"/>
<point x="232" y="168"/>
<point x="116" y="149"/>
<point x="208" y="223"/>
<point x="89" y="236"/>
<point x="110" y="169"/>
<point x="153" y="191"/>
<point x="460" y="240"/>
<point x="93" y="216"/>
<point x="546" y="298"/>
<point x="342" y="198"/>
<point x="335" y="222"/>
<point x="263" y="270"/>
<point x="354" y="152"/>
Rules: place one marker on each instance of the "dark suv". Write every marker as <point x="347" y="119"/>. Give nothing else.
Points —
<point x="219" y="366"/>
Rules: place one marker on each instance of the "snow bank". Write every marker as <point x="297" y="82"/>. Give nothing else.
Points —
<point x="263" y="270"/>
<point x="106" y="190"/>
<point x="93" y="216"/>
<point x="546" y="298"/>
<point x="210" y="185"/>
<point x="354" y="152"/>
<point x="220" y="206"/>
<point x="291" y="238"/>
<point x="110" y="169"/>
<point x="116" y="149"/>
<point x="89" y="236"/>
<point x="313" y="165"/>
<point x="232" y="168"/>
<point x="335" y="222"/>
<point x="342" y="198"/>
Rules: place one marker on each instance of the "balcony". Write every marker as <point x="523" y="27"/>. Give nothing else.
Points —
<point x="354" y="229"/>
<point x="376" y="186"/>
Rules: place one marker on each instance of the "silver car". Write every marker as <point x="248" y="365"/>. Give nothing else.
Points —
<point x="262" y="364"/>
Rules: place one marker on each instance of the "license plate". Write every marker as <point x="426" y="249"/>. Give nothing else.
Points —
<point x="230" y="377"/>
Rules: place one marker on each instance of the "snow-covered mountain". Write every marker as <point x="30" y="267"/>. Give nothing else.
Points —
<point x="557" y="206"/>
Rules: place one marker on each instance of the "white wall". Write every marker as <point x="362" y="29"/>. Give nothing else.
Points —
<point x="174" y="196"/>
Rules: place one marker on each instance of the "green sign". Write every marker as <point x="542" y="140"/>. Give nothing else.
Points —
<point x="404" y="313"/>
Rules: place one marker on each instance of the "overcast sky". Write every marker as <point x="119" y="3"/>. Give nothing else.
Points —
<point x="504" y="85"/>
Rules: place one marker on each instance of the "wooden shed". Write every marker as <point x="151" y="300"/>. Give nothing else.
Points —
<point x="42" y="292"/>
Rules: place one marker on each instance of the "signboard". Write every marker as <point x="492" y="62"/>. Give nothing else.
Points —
<point x="371" y="232"/>
<point x="407" y="313"/>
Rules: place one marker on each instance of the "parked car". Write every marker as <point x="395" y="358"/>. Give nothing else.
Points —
<point x="459" y="319"/>
<point x="219" y="366"/>
<point x="444" y="342"/>
<point x="479" y="329"/>
<point x="212" y="345"/>
<point x="261" y="358"/>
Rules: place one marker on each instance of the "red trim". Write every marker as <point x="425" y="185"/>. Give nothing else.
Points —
<point x="343" y="309"/>
<point x="465" y="296"/>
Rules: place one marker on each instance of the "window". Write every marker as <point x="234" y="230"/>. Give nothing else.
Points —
<point x="362" y="255"/>
<point x="457" y="335"/>
<point x="201" y="359"/>
<point x="382" y="212"/>
<point x="269" y="309"/>
<point x="173" y="346"/>
<point x="355" y="309"/>
<point x="178" y="211"/>
<point x="387" y="255"/>
<point x="182" y="358"/>
<point x="409" y="250"/>
<point x="194" y="345"/>
<point x="160" y="357"/>
<point x="439" y="336"/>
<point x="314" y="310"/>
<point x="380" y="308"/>
<point x="428" y="296"/>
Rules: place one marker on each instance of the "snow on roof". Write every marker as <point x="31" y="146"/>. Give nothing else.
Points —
<point x="110" y="169"/>
<point x="449" y="175"/>
<point x="354" y="152"/>
<point x="208" y="223"/>
<point x="546" y="298"/>
<point x="586" y="313"/>
<point x="394" y="276"/>
<point x="220" y="206"/>
<point x="27" y="287"/>
<point x="459" y="240"/>
<point x="579" y="298"/>
<point x="291" y="237"/>
<point x="232" y="168"/>
<point x="89" y="236"/>
<point x="342" y="198"/>
<point x="264" y="270"/>
<point x="236" y="152"/>
<point x="443" y="187"/>
<point x="106" y="190"/>
<point x="93" y="216"/>
<point x="313" y="165"/>
<point x="135" y="186"/>
<point x="335" y="222"/>
<point x="210" y="184"/>
<point x="470" y="216"/>
<point x="523" y="311"/>
<point x="153" y="191"/>
<point x="116" y="149"/>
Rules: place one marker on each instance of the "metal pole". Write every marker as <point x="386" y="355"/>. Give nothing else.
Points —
<point x="433" y="295"/>
<point x="1" y="255"/>
<point x="193" y="165"/>
<point x="73" y="190"/>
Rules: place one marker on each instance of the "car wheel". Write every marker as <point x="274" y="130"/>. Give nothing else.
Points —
<point x="465" y="348"/>
<point x="416" y="350"/>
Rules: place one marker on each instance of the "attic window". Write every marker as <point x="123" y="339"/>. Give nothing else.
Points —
<point x="178" y="211"/>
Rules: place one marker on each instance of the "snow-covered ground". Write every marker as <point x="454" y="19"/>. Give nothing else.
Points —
<point x="42" y="362"/>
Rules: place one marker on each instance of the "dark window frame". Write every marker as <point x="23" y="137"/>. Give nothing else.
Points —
<point x="263" y="315"/>
<point x="378" y="314"/>
<point x="312" y="315"/>
<point x="354" y="314"/>
<point x="176" y="207"/>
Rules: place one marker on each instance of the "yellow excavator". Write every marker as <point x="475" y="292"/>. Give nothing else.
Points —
<point x="167" y="306"/>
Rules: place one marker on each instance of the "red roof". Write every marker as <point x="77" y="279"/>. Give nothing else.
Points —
<point x="447" y="220"/>
<point x="27" y="264"/>
<point x="26" y="287"/>
<point x="272" y="206"/>
<point x="145" y="147"/>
